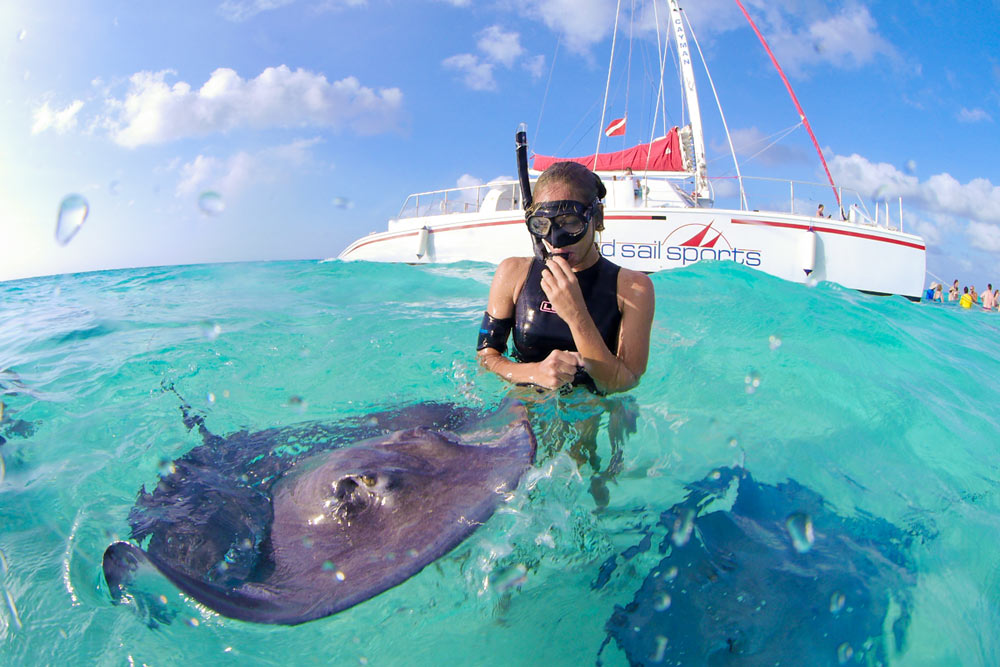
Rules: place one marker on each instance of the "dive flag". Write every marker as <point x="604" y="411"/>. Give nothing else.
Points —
<point x="616" y="128"/>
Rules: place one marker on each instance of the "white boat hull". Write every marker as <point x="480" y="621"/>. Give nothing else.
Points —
<point x="793" y="247"/>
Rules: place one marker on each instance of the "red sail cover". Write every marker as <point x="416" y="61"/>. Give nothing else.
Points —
<point x="664" y="154"/>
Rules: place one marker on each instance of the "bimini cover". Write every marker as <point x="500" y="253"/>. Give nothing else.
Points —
<point x="663" y="154"/>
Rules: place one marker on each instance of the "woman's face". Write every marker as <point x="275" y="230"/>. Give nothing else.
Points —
<point x="582" y="253"/>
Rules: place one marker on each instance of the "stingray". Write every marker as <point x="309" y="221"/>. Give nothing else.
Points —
<point x="778" y="578"/>
<point x="289" y="525"/>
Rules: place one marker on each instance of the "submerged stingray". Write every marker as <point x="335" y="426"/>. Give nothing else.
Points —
<point x="289" y="525"/>
<point x="776" y="579"/>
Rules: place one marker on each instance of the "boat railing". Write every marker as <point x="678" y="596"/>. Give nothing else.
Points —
<point x="804" y="198"/>
<point x="494" y="196"/>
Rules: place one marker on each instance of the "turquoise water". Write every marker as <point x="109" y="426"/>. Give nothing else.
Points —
<point x="882" y="406"/>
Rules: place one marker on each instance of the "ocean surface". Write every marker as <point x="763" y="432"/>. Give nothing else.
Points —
<point x="885" y="408"/>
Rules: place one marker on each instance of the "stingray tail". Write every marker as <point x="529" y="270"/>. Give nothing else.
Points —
<point x="122" y="560"/>
<point x="189" y="416"/>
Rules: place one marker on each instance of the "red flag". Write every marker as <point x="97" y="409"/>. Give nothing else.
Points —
<point x="616" y="128"/>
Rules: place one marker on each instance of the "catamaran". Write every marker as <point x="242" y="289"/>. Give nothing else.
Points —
<point x="660" y="212"/>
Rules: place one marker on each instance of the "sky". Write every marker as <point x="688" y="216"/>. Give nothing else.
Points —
<point x="232" y="130"/>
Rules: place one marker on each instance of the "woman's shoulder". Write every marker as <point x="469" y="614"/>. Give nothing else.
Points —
<point x="634" y="281"/>
<point x="514" y="265"/>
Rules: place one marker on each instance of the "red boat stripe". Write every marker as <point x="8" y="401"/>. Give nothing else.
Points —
<point x="828" y="230"/>
<point x="402" y="235"/>
<point x="736" y="221"/>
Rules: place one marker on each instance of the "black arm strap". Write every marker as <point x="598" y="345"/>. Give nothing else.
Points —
<point x="493" y="333"/>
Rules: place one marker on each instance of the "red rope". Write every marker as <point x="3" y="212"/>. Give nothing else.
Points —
<point x="802" y="114"/>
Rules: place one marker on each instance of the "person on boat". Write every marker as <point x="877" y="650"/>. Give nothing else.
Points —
<point x="577" y="318"/>
<point x="636" y="187"/>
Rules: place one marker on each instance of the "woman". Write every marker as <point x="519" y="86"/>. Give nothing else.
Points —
<point x="576" y="317"/>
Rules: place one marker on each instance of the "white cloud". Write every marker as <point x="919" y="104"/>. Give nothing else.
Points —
<point x="243" y="10"/>
<point x="154" y="111"/>
<point x="847" y="40"/>
<point x="582" y="23"/>
<point x="942" y="196"/>
<point x="984" y="235"/>
<point x="499" y="46"/>
<point x="535" y="66"/>
<point x="802" y="35"/>
<point x="476" y="75"/>
<point x="976" y="115"/>
<point x="234" y="175"/>
<point x="61" y="121"/>
<point x="468" y="180"/>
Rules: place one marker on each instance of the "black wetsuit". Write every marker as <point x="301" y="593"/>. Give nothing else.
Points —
<point x="538" y="329"/>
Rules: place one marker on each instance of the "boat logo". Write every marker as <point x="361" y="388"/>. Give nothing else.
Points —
<point x="705" y="243"/>
<point x="546" y="307"/>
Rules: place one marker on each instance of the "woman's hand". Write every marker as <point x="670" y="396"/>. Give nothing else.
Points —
<point x="563" y="290"/>
<point x="557" y="369"/>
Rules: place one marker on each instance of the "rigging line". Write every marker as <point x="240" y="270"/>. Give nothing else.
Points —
<point x="718" y="103"/>
<point x="784" y="132"/>
<point x="789" y="131"/>
<point x="538" y="124"/>
<point x="661" y="52"/>
<point x="795" y="100"/>
<point x="628" y="69"/>
<point x="607" y="86"/>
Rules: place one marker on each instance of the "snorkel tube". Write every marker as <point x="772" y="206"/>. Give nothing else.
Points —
<point x="521" y="147"/>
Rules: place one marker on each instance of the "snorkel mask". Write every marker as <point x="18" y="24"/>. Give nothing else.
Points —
<point x="562" y="223"/>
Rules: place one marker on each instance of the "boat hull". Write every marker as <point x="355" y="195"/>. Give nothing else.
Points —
<point x="793" y="247"/>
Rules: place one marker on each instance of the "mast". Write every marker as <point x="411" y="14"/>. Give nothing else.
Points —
<point x="701" y="189"/>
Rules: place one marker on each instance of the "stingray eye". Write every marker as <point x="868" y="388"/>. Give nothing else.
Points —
<point x="369" y="479"/>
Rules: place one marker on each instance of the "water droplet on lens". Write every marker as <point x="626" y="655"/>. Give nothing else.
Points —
<point x="210" y="203"/>
<point x="715" y="474"/>
<point x="509" y="577"/>
<point x="21" y="34"/>
<point x="342" y="202"/>
<point x="670" y="573"/>
<point x="773" y="342"/>
<point x="412" y="553"/>
<point x="661" y="649"/>
<point x="752" y="381"/>
<point x="881" y="193"/>
<point x="72" y="213"/>
<point x="4" y="566"/>
<point x="663" y="604"/>
<point x="1" y="410"/>
<point x="844" y="653"/>
<point x="193" y="622"/>
<point x="210" y="330"/>
<point x="3" y="469"/>
<point x="210" y="398"/>
<point x="328" y="566"/>
<point x="339" y="575"/>
<point x="163" y="599"/>
<point x="837" y="601"/>
<point x="167" y="467"/>
<point x="733" y="442"/>
<point x="114" y="187"/>
<point x="307" y="542"/>
<point x="683" y="525"/>
<point x="800" y="529"/>
<point x="911" y="167"/>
